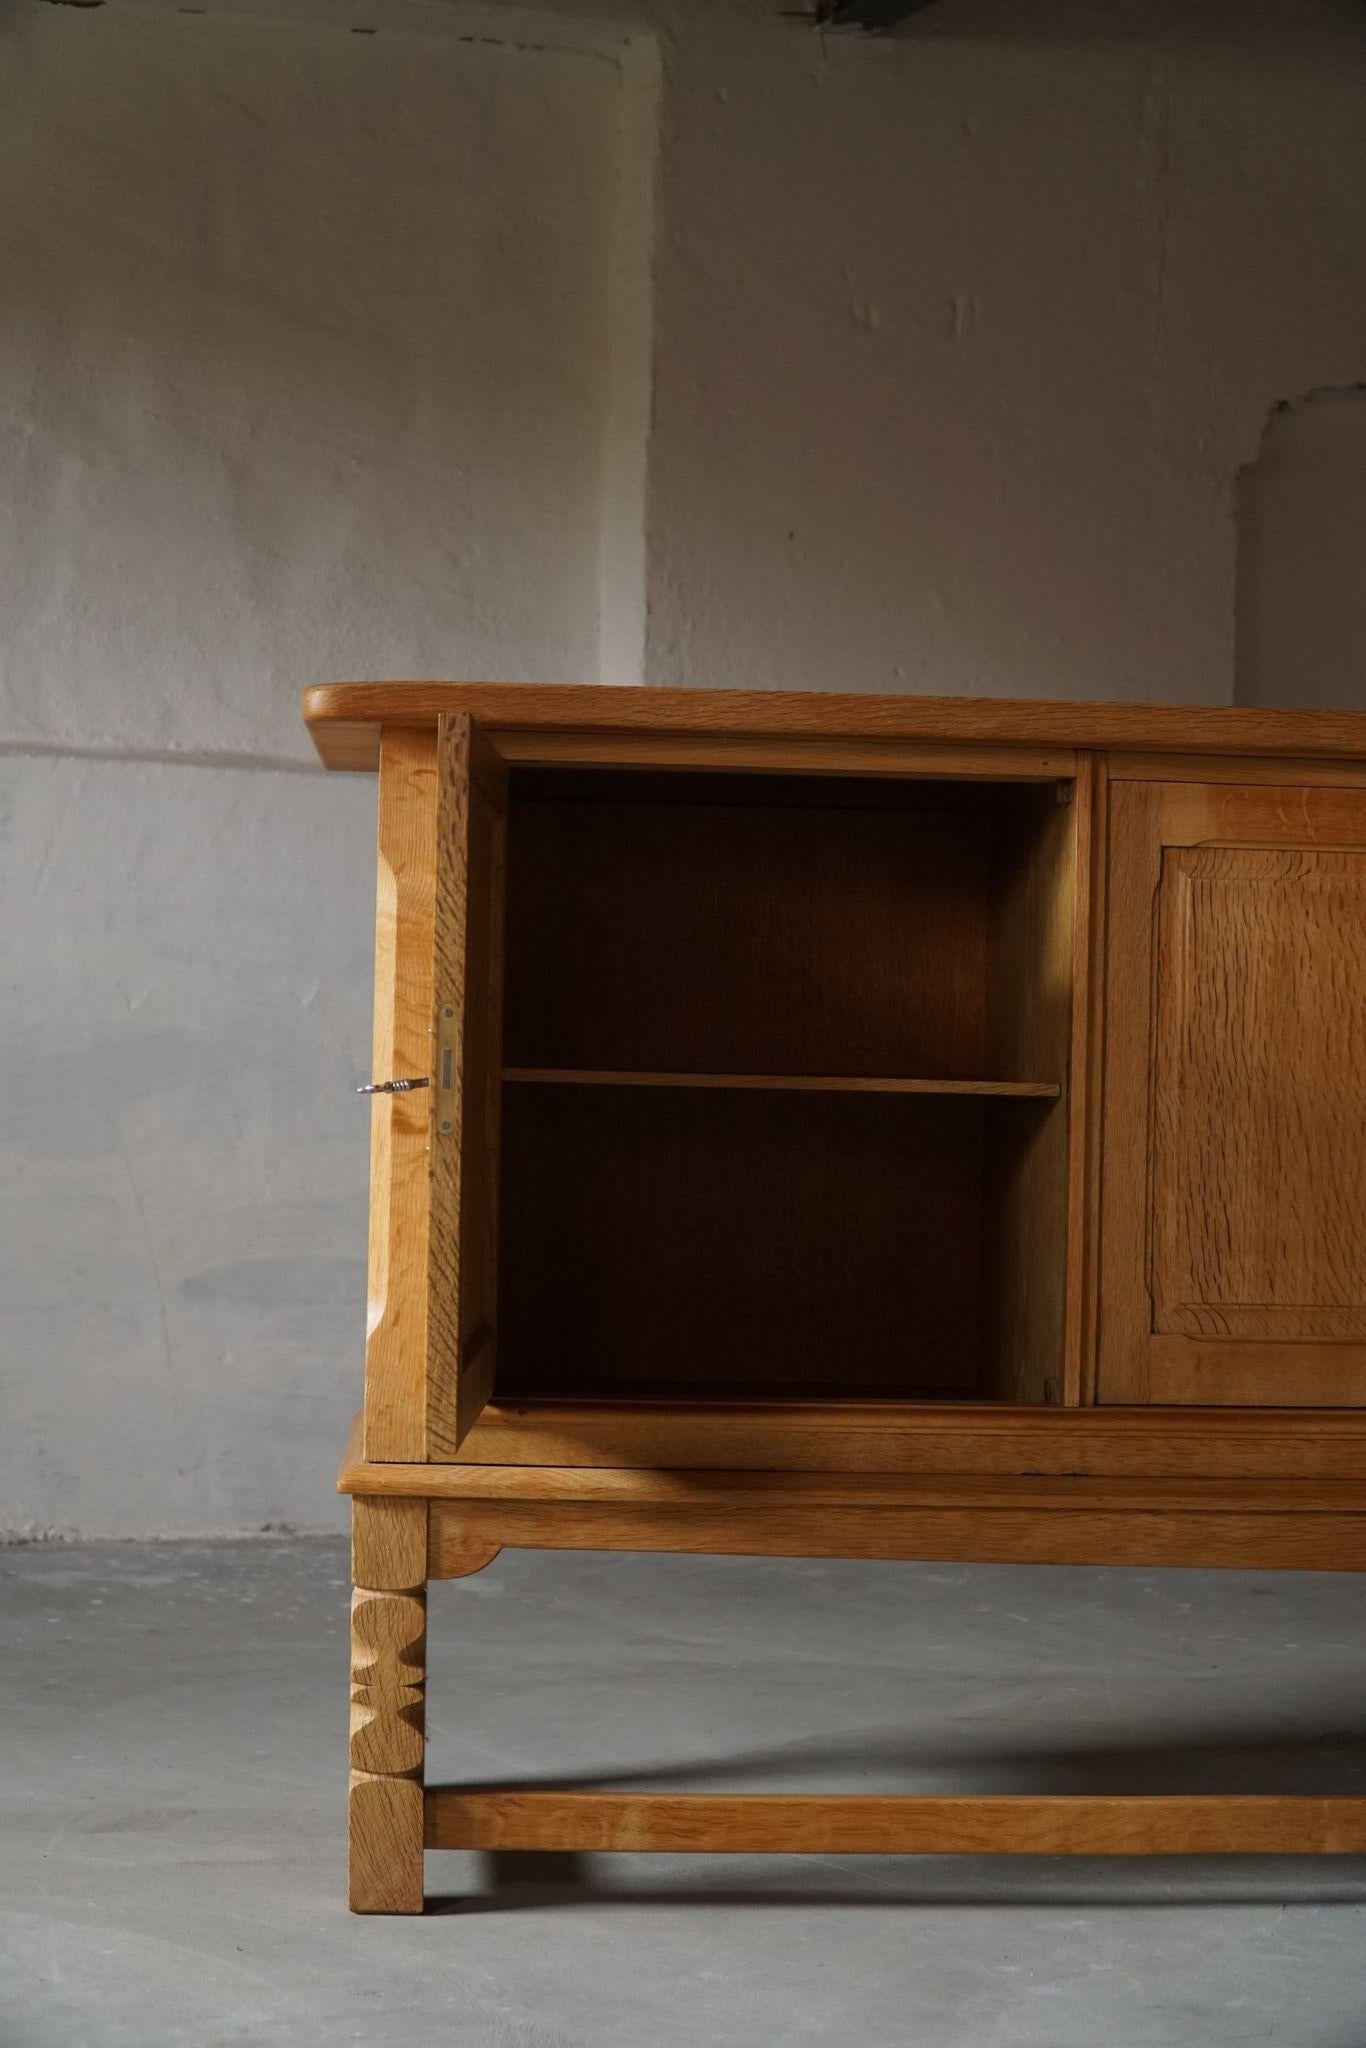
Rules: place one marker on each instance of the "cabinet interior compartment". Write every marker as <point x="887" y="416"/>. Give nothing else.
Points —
<point x="783" y="1109"/>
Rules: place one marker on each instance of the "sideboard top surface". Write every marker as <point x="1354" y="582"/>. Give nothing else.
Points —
<point x="345" y="719"/>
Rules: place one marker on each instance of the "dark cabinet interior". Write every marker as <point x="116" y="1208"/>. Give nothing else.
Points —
<point x="784" y="1072"/>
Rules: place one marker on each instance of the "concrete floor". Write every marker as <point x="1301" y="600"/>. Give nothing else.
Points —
<point x="171" y="1729"/>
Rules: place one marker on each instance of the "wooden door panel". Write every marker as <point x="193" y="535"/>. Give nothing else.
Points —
<point x="1233" y="1256"/>
<point x="1259" y="1147"/>
<point x="396" y="1323"/>
<point x="429" y="1355"/>
<point x="462" y="1268"/>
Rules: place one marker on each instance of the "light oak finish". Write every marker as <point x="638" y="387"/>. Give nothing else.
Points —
<point x="1243" y="769"/>
<point x="462" y="1278"/>
<point x="1037" y="955"/>
<point x="791" y="1084"/>
<point x="733" y="1493"/>
<point x="745" y="754"/>
<point x="858" y="1127"/>
<point x="388" y="1674"/>
<point x="396" y="1341"/>
<point x="388" y="1536"/>
<point x="1234" y="1224"/>
<point x="1061" y="1531"/>
<point x="885" y="1438"/>
<point x="1088" y="1054"/>
<point x="384" y="1818"/>
<point x="345" y="719"/>
<point x="388" y="1662"/>
<point x="860" y="1824"/>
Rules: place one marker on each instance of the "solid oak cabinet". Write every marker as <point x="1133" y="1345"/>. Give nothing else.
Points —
<point x="851" y="1126"/>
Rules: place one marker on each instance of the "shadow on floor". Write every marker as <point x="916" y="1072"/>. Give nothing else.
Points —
<point x="1333" y="1763"/>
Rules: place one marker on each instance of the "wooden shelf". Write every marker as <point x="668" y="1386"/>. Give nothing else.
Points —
<point x="817" y="1084"/>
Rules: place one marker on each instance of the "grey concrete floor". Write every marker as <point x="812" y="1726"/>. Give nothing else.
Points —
<point x="171" y="1763"/>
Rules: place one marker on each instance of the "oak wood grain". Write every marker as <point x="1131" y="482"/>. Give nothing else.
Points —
<point x="462" y="1271"/>
<point x="1259" y="1142"/>
<point x="343" y="717"/>
<point x="388" y="1674"/>
<point x="396" y="1340"/>
<point x="384" y="1816"/>
<point x="388" y="1541"/>
<point x="1237" y="768"/>
<point x="1087" y="1116"/>
<point x="1233" y="1252"/>
<point x="1036" y="897"/>
<point x="756" y="925"/>
<point x="891" y="1437"/>
<point x="791" y="1084"/>
<point x="1297" y="1540"/>
<point x="736" y="1491"/>
<point x="388" y="1670"/>
<point x="881" y="1824"/>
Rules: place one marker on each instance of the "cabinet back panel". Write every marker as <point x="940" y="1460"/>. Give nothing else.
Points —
<point x="686" y="924"/>
<point x="695" y="1245"/>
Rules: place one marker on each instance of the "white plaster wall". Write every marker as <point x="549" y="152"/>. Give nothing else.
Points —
<point x="303" y="372"/>
<point x="182" y="1188"/>
<point x="962" y="335"/>
<point x="660" y="341"/>
<point x="302" y="348"/>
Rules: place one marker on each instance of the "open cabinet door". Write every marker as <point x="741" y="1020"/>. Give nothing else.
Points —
<point x="467" y="991"/>
<point x="434" y="1151"/>
<point x="1233" y="1230"/>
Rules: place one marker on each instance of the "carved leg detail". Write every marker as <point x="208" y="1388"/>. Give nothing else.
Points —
<point x="388" y="1676"/>
<point x="388" y="1671"/>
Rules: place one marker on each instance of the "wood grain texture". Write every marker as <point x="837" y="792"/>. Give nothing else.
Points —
<point x="890" y="1438"/>
<point x="1291" y="816"/>
<point x="395" y="1349"/>
<point x="1054" y="1534"/>
<point x="1087" y="1114"/>
<point x="789" y="1084"/>
<point x="693" y="1243"/>
<point x="1238" y="768"/>
<point x="388" y="1673"/>
<point x="1259" y="1142"/>
<point x="758" y="925"/>
<point x="1031" y="962"/>
<point x="1124" y="1302"/>
<point x="871" y="1824"/>
<point x="1238" y="1372"/>
<point x="462" y="1270"/>
<point x="384" y="1818"/>
<point x="343" y="716"/>
<point x="737" y="1491"/>
<point x="742" y="754"/>
<point x="388" y="1543"/>
<point x="1232" y="1259"/>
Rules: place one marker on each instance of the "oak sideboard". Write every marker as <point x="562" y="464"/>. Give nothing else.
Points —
<point x="863" y="1127"/>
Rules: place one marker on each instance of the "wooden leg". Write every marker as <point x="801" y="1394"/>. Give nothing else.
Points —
<point x="388" y="1676"/>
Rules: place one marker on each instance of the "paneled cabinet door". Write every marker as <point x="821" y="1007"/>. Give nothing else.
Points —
<point x="1233" y="1226"/>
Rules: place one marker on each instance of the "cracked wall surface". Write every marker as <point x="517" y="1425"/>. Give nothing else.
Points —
<point x="1301" y="629"/>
